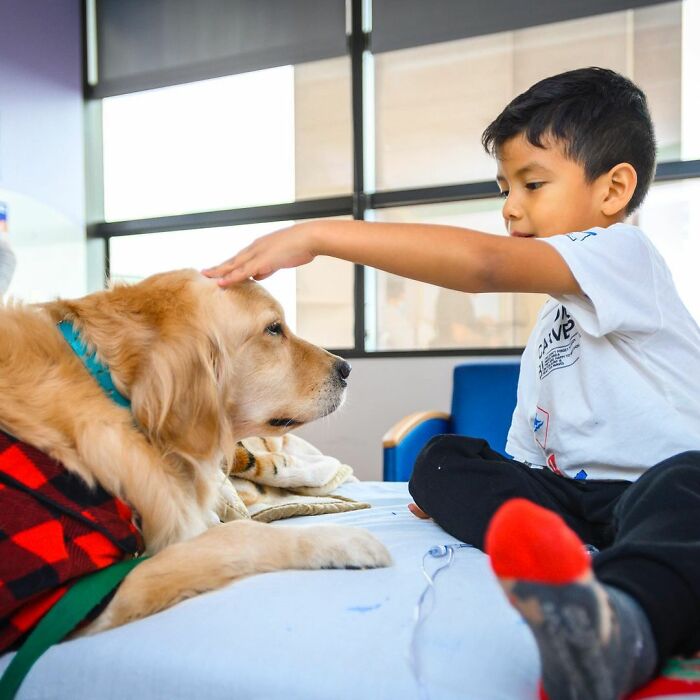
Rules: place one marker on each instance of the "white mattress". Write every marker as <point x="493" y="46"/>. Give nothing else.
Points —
<point x="316" y="634"/>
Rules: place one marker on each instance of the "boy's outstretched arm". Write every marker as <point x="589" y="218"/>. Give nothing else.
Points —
<point x="446" y="256"/>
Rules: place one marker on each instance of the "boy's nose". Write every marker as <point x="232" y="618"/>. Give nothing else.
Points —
<point x="511" y="212"/>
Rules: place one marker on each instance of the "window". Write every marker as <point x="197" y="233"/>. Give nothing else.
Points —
<point x="434" y="101"/>
<point x="417" y="316"/>
<point x="225" y="141"/>
<point x="257" y="138"/>
<point x="317" y="298"/>
<point x="670" y="216"/>
<point x="262" y="138"/>
<point x="201" y="146"/>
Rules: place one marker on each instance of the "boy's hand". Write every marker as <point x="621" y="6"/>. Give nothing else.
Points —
<point x="418" y="512"/>
<point x="289" y="247"/>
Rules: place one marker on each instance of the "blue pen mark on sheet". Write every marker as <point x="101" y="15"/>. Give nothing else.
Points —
<point x="364" y="608"/>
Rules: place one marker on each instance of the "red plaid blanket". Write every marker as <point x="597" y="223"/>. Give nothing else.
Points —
<point x="53" y="530"/>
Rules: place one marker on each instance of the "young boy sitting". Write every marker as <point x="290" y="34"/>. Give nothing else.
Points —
<point x="608" y="410"/>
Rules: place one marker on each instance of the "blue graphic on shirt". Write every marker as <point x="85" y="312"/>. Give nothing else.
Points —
<point x="581" y="475"/>
<point x="537" y="424"/>
<point x="579" y="237"/>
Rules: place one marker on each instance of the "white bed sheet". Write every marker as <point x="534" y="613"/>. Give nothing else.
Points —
<point x="308" y="635"/>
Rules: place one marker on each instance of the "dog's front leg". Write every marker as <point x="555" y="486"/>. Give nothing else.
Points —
<point x="229" y="552"/>
<point x="111" y="451"/>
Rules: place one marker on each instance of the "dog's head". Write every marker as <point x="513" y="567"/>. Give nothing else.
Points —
<point x="220" y="365"/>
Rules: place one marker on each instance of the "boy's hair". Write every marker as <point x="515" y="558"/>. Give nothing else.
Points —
<point x="599" y="117"/>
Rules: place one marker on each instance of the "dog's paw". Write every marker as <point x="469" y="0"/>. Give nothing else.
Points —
<point x="338" y="547"/>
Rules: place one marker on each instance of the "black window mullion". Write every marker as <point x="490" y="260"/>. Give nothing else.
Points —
<point x="677" y="170"/>
<point x="301" y="209"/>
<point x="358" y="45"/>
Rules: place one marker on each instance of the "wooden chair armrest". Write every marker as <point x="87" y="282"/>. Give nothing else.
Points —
<point x="399" y="430"/>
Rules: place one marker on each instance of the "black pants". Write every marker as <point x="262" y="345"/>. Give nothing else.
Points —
<point x="648" y="531"/>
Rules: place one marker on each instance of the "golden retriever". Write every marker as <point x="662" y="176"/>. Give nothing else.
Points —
<point x="203" y="368"/>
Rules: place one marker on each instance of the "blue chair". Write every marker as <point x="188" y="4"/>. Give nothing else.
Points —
<point x="483" y="401"/>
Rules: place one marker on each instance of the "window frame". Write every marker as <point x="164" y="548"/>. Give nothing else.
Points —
<point x="356" y="203"/>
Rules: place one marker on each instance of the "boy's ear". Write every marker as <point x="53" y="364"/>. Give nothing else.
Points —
<point x="620" y="183"/>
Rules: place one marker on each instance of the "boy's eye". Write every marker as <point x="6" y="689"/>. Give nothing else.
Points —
<point x="504" y="194"/>
<point x="534" y="185"/>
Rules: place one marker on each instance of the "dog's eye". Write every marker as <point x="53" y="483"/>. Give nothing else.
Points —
<point x="274" y="328"/>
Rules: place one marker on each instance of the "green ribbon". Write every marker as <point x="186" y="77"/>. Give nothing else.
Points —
<point x="62" y="619"/>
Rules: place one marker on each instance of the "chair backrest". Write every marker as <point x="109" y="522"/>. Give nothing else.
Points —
<point x="483" y="400"/>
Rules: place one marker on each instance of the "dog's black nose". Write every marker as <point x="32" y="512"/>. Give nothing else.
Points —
<point x="343" y="368"/>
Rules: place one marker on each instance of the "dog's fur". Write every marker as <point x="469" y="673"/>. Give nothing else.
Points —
<point x="203" y="367"/>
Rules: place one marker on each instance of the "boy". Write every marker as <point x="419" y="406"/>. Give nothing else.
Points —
<point x="608" y="409"/>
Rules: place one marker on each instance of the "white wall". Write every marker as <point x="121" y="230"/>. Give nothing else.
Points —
<point x="380" y="392"/>
<point x="41" y="145"/>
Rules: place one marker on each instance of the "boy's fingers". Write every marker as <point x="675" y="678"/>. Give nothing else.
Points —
<point x="233" y="266"/>
<point x="243" y="271"/>
<point x="225" y="267"/>
<point x="232" y="277"/>
<point x="219" y="270"/>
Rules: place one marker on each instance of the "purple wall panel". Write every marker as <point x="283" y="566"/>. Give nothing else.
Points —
<point x="41" y="123"/>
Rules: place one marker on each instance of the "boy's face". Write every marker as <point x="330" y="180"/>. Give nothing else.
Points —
<point x="545" y="192"/>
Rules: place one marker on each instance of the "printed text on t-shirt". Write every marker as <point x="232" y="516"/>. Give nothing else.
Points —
<point x="561" y="346"/>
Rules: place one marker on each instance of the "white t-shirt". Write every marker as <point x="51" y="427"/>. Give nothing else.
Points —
<point x="610" y="380"/>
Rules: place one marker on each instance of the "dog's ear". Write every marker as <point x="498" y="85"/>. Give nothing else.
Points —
<point x="177" y="400"/>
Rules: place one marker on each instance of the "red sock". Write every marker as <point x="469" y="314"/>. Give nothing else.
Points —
<point x="531" y="543"/>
